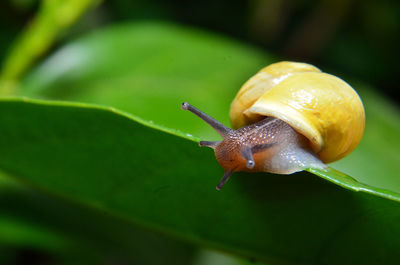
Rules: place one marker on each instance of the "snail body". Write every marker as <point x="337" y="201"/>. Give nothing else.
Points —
<point x="288" y="117"/>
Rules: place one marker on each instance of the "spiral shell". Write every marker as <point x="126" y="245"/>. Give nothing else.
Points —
<point x="320" y="106"/>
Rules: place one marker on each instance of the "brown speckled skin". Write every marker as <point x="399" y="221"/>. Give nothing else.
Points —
<point x="265" y="138"/>
<point x="270" y="145"/>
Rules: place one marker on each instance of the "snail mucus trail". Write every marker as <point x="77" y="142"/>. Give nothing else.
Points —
<point x="269" y="145"/>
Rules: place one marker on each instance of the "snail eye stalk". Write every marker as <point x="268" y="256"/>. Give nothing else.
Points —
<point x="248" y="155"/>
<point x="219" y="127"/>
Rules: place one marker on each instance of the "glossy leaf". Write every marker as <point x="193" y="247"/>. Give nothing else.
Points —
<point x="155" y="177"/>
<point x="61" y="229"/>
<point x="149" y="69"/>
<point x="113" y="162"/>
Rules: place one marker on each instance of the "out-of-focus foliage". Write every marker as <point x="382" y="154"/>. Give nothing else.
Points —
<point x="53" y="18"/>
<point x="356" y="38"/>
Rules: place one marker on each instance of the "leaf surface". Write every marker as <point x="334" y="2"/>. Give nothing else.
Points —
<point x="149" y="69"/>
<point x="142" y="170"/>
<point x="112" y="162"/>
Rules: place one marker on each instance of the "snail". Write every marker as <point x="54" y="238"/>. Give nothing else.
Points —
<point x="288" y="117"/>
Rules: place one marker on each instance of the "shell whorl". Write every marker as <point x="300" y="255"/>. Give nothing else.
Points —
<point x="320" y="106"/>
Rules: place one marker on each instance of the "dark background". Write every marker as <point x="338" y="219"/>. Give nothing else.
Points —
<point x="357" y="38"/>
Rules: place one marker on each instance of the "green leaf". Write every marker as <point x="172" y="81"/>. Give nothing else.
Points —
<point x="118" y="164"/>
<point x="148" y="69"/>
<point x="150" y="175"/>
<point x="64" y="230"/>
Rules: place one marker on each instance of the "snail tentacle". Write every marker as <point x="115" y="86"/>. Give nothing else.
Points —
<point x="224" y="179"/>
<point x="248" y="155"/>
<point x="219" y="127"/>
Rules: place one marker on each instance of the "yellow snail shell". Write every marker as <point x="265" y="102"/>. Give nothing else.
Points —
<point x="320" y="106"/>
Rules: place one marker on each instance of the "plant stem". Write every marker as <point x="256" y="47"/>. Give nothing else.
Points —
<point x="53" y="17"/>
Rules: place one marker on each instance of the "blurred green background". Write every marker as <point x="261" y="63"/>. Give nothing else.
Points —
<point x="356" y="39"/>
